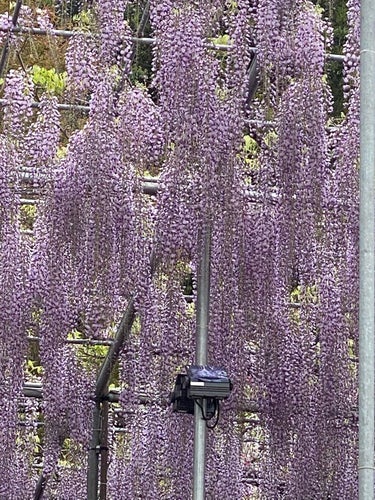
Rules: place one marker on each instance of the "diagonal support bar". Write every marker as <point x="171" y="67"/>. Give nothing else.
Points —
<point x="122" y="334"/>
<point x="5" y="51"/>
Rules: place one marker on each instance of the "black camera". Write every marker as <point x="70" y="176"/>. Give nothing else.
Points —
<point x="203" y="384"/>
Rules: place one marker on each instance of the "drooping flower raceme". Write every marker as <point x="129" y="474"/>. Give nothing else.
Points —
<point x="15" y="303"/>
<point x="284" y="259"/>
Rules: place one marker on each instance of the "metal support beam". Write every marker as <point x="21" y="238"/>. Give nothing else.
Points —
<point x="102" y="381"/>
<point x="203" y="299"/>
<point x="94" y="453"/>
<point x="5" y="51"/>
<point x="253" y="76"/>
<point x="35" y="390"/>
<point x="122" y="335"/>
<point x="366" y="247"/>
<point x="39" y="489"/>
<point x="145" y="40"/>
<point x="104" y="452"/>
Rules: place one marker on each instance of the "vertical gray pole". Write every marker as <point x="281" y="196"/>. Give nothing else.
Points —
<point x="104" y="452"/>
<point x="366" y="248"/>
<point x="203" y="298"/>
<point x="94" y="452"/>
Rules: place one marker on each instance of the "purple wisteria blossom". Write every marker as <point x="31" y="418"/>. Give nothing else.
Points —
<point x="284" y="258"/>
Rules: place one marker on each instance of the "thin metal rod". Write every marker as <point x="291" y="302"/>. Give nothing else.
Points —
<point x="35" y="390"/>
<point x="203" y="302"/>
<point x="144" y="19"/>
<point x="367" y="252"/>
<point x="61" y="107"/>
<point x="67" y="107"/>
<point x="145" y="40"/>
<point x="63" y="33"/>
<point x="5" y="51"/>
<point x="43" y="32"/>
<point x="87" y="342"/>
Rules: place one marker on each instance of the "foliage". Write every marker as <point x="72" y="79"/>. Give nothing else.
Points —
<point x="48" y="80"/>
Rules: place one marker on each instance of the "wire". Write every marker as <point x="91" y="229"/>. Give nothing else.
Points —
<point x="217" y="404"/>
<point x="216" y="412"/>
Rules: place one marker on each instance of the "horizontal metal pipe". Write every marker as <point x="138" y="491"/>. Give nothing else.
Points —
<point x="149" y="187"/>
<point x="69" y="107"/>
<point x="31" y="425"/>
<point x="93" y="342"/>
<point x="113" y="396"/>
<point x="29" y="392"/>
<point x="61" y="107"/>
<point x="35" y="390"/>
<point x="335" y="57"/>
<point x="62" y="33"/>
<point x="145" y="40"/>
<point x="28" y="201"/>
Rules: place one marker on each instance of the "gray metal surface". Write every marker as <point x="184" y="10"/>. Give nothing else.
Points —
<point x="5" y="51"/>
<point x="102" y="380"/>
<point x="366" y="246"/>
<point x="203" y="299"/>
<point x="93" y="455"/>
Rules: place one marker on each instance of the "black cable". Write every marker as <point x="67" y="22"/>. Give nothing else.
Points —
<point x="217" y="411"/>
<point x="207" y="419"/>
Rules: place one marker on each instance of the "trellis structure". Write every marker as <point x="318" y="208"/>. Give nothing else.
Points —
<point x="102" y="396"/>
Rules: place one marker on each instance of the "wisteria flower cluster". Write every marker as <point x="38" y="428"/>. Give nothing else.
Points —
<point x="283" y="226"/>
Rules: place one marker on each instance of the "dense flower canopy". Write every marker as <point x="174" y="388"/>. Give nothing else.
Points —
<point x="260" y="162"/>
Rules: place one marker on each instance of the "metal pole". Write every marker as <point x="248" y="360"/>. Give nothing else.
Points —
<point x="4" y="54"/>
<point x="203" y="298"/>
<point x="145" y="40"/>
<point x="94" y="452"/>
<point x="122" y="334"/>
<point x="102" y="380"/>
<point x="366" y="247"/>
<point x="104" y="452"/>
<point x="40" y="487"/>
